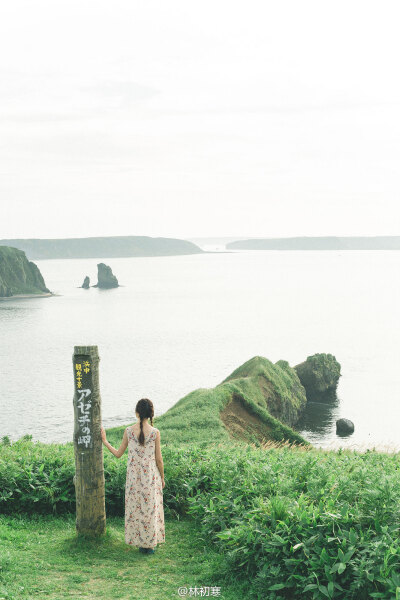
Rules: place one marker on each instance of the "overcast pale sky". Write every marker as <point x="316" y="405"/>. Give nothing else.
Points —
<point x="183" y="119"/>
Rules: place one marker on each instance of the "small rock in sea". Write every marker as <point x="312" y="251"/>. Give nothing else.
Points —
<point x="344" y="426"/>
<point x="86" y="283"/>
<point x="105" y="277"/>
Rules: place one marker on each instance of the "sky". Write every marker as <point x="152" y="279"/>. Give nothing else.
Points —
<point x="188" y="119"/>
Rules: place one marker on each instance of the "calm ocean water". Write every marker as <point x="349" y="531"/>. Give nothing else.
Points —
<point x="185" y="322"/>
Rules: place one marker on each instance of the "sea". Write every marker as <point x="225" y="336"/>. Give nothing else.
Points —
<point x="179" y="323"/>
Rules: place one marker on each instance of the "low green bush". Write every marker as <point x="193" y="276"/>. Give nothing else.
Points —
<point x="308" y="524"/>
<point x="298" y="523"/>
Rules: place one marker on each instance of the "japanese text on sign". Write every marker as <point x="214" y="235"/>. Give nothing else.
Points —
<point x="82" y="369"/>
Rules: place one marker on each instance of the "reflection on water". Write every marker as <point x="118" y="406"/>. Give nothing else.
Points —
<point x="329" y="397"/>
<point x="319" y="419"/>
<point x="318" y="426"/>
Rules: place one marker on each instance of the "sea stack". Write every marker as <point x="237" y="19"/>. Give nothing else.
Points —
<point x="86" y="283"/>
<point x="105" y="277"/>
<point x="319" y="375"/>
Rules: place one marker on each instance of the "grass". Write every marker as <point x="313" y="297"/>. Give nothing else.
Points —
<point x="285" y="521"/>
<point x="42" y="557"/>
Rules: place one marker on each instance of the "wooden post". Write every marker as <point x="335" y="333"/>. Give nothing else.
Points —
<point x="88" y="446"/>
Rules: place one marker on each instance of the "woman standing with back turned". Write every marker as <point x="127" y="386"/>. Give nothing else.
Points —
<point x="144" y="508"/>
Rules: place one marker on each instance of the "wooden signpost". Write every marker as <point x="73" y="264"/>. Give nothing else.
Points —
<point x="88" y="446"/>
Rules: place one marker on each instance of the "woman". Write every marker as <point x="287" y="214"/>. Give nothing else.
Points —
<point x="144" y="508"/>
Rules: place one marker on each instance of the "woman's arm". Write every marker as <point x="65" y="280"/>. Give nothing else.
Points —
<point x="124" y="444"/>
<point x="159" y="459"/>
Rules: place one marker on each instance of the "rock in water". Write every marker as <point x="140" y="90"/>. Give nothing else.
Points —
<point x="344" y="426"/>
<point x="319" y="375"/>
<point x="105" y="277"/>
<point x="86" y="283"/>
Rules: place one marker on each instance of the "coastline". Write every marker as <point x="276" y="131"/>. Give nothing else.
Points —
<point x="23" y="296"/>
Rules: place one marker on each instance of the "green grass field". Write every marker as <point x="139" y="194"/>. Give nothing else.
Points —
<point x="42" y="557"/>
<point x="285" y="522"/>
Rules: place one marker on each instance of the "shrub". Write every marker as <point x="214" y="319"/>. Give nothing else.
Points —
<point x="301" y="523"/>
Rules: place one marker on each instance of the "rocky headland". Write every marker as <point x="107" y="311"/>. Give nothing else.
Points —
<point x="19" y="276"/>
<point x="258" y="402"/>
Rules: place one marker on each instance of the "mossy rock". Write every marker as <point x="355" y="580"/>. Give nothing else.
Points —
<point x="319" y="375"/>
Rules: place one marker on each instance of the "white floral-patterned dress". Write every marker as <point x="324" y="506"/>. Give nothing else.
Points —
<point x="144" y="508"/>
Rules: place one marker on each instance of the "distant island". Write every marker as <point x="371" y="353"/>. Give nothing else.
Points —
<point x="102" y="247"/>
<point x="19" y="276"/>
<point x="384" y="242"/>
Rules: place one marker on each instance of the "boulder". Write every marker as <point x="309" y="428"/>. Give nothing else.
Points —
<point x="105" y="277"/>
<point x="344" y="426"/>
<point x="319" y="375"/>
<point x="86" y="283"/>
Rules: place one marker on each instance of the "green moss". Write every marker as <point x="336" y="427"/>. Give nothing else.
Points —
<point x="319" y="374"/>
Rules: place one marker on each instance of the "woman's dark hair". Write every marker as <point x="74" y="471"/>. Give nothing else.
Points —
<point x="146" y="411"/>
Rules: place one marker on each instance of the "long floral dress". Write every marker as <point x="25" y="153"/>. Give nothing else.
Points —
<point x="144" y="508"/>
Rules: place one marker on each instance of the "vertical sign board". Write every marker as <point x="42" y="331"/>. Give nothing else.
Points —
<point x="88" y="446"/>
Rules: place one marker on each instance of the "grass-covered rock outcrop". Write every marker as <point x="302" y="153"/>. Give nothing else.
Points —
<point x="274" y="387"/>
<point x="257" y="402"/>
